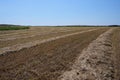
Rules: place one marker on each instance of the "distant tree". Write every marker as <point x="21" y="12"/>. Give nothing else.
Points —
<point x="114" y="25"/>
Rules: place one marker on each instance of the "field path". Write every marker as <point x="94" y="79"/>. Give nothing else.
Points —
<point x="48" y="60"/>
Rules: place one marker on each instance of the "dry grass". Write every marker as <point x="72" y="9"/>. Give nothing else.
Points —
<point x="18" y="47"/>
<point x="95" y="62"/>
<point x="46" y="61"/>
<point x="116" y="57"/>
<point x="35" y="30"/>
<point x="43" y="35"/>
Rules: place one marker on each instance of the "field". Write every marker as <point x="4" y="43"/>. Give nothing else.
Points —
<point x="60" y="53"/>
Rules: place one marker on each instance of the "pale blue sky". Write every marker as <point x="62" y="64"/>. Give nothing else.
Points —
<point x="60" y="12"/>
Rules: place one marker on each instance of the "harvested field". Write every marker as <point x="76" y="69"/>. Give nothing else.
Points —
<point x="37" y="42"/>
<point x="64" y="54"/>
<point x="35" y="31"/>
<point x="95" y="62"/>
<point x="116" y="48"/>
<point x="35" y="34"/>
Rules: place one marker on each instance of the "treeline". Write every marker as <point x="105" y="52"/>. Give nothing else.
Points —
<point x="114" y="26"/>
<point x="90" y="26"/>
<point x="12" y="27"/>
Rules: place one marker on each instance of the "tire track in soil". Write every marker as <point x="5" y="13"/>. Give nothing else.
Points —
<point x="46" y="61"/>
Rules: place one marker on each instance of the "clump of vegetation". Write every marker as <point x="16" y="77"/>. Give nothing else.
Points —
<point x="12" y="27"/>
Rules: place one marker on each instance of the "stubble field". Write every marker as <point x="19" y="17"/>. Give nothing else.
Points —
<point x="60" y="53"/>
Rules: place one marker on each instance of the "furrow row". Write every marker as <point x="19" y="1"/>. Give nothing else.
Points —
<point x="95" y="62"/>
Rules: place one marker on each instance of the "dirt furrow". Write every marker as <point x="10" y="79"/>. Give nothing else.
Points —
<point x="46" y="61"/>
<point x="95" y="62"/>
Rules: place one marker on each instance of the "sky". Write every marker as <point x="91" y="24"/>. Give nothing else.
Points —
<point x="60" y="12"/>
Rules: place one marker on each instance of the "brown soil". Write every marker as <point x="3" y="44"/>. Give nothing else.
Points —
<point x="46" y="61"/>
